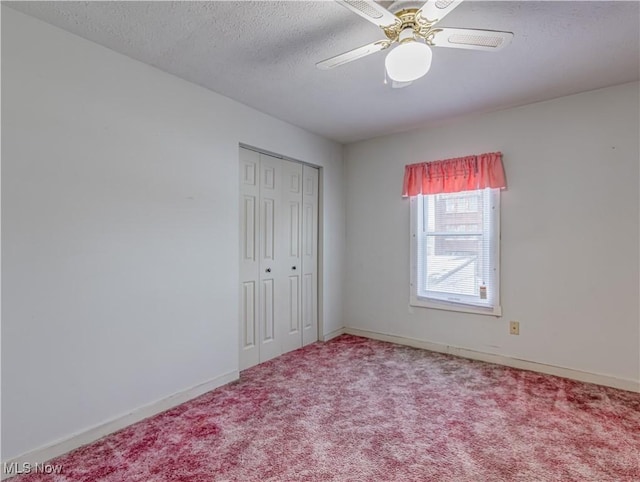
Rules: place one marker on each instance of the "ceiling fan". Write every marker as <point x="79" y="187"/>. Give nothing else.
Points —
<point x="412" y="25"/>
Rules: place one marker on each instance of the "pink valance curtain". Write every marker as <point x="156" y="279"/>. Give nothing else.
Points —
<point x="454" y="175"/>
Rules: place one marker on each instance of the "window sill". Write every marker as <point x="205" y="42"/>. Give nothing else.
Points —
<point x="443" y="305"/>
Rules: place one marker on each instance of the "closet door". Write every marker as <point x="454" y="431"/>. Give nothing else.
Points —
<point x="291" y="268"/>
<point x="310" y="185"/>
<point x="278" y="256"/>
<point x="271" y="300"/>
<point x="249" y="262"/>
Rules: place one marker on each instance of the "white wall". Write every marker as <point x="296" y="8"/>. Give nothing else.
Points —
<point x="120" y="231"/>
<point x="569" y="233"/>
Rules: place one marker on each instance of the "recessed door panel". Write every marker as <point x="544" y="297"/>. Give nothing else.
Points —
<point x="293" y="229"/>
<point x="249" y="313"/>
<point x="249" y="228"/>
<point x="295" y="181"/>
<point x="268" y="315"/>
<point x="250" y="170"/>
<point x="310" y="185"/>
<point x="269" y="178"/>
<point x="307" y="300"/>
<point x="294" y="310"/>
<point x="268" y="229"/>
<point x="308" y="229"/>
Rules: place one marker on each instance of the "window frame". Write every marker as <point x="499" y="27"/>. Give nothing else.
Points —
<point x="423" y="302"/>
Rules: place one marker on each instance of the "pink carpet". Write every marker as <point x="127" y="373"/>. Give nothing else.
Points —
<point x="355" y="409"/>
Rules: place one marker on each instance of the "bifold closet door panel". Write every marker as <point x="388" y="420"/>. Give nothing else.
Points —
<point x="271" y="271"/>
<point x="291" y="270"/>
<point x="310" y="186"/>
<point x="249" y="258"/>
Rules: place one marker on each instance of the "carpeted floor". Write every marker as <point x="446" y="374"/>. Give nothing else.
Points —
<point x="355" y="409"/>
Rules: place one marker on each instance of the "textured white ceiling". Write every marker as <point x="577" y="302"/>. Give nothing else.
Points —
<point x="263" y="54"/>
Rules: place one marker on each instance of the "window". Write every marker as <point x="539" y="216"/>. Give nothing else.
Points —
<point x="461" y="204"/>
<point x="455" y="246"/>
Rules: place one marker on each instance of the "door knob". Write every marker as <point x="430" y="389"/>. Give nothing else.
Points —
<point x="293" y="268"/>
<point x="268" y="270"/>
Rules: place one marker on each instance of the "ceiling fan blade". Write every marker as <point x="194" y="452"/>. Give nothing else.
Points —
<point x="435" y="10"/>
<point x="371" y="11"/>
<point x="353" y="55"/>
<point x="467" y="38"/>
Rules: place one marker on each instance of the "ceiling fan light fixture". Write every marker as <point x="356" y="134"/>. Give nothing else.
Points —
<point x="408" y="61"/>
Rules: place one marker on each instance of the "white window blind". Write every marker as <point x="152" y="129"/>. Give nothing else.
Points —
<point x="455" y="251"/>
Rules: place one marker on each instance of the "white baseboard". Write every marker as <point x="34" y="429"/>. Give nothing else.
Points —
<point x="598" y="379"/>
<point x="333" y="334"/>
<point x="62" y="446"/>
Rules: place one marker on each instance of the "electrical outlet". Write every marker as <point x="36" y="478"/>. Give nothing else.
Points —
<point x="514" y="327"/>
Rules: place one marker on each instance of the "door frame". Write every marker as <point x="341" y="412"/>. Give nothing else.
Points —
<point x="319" y="308"/>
